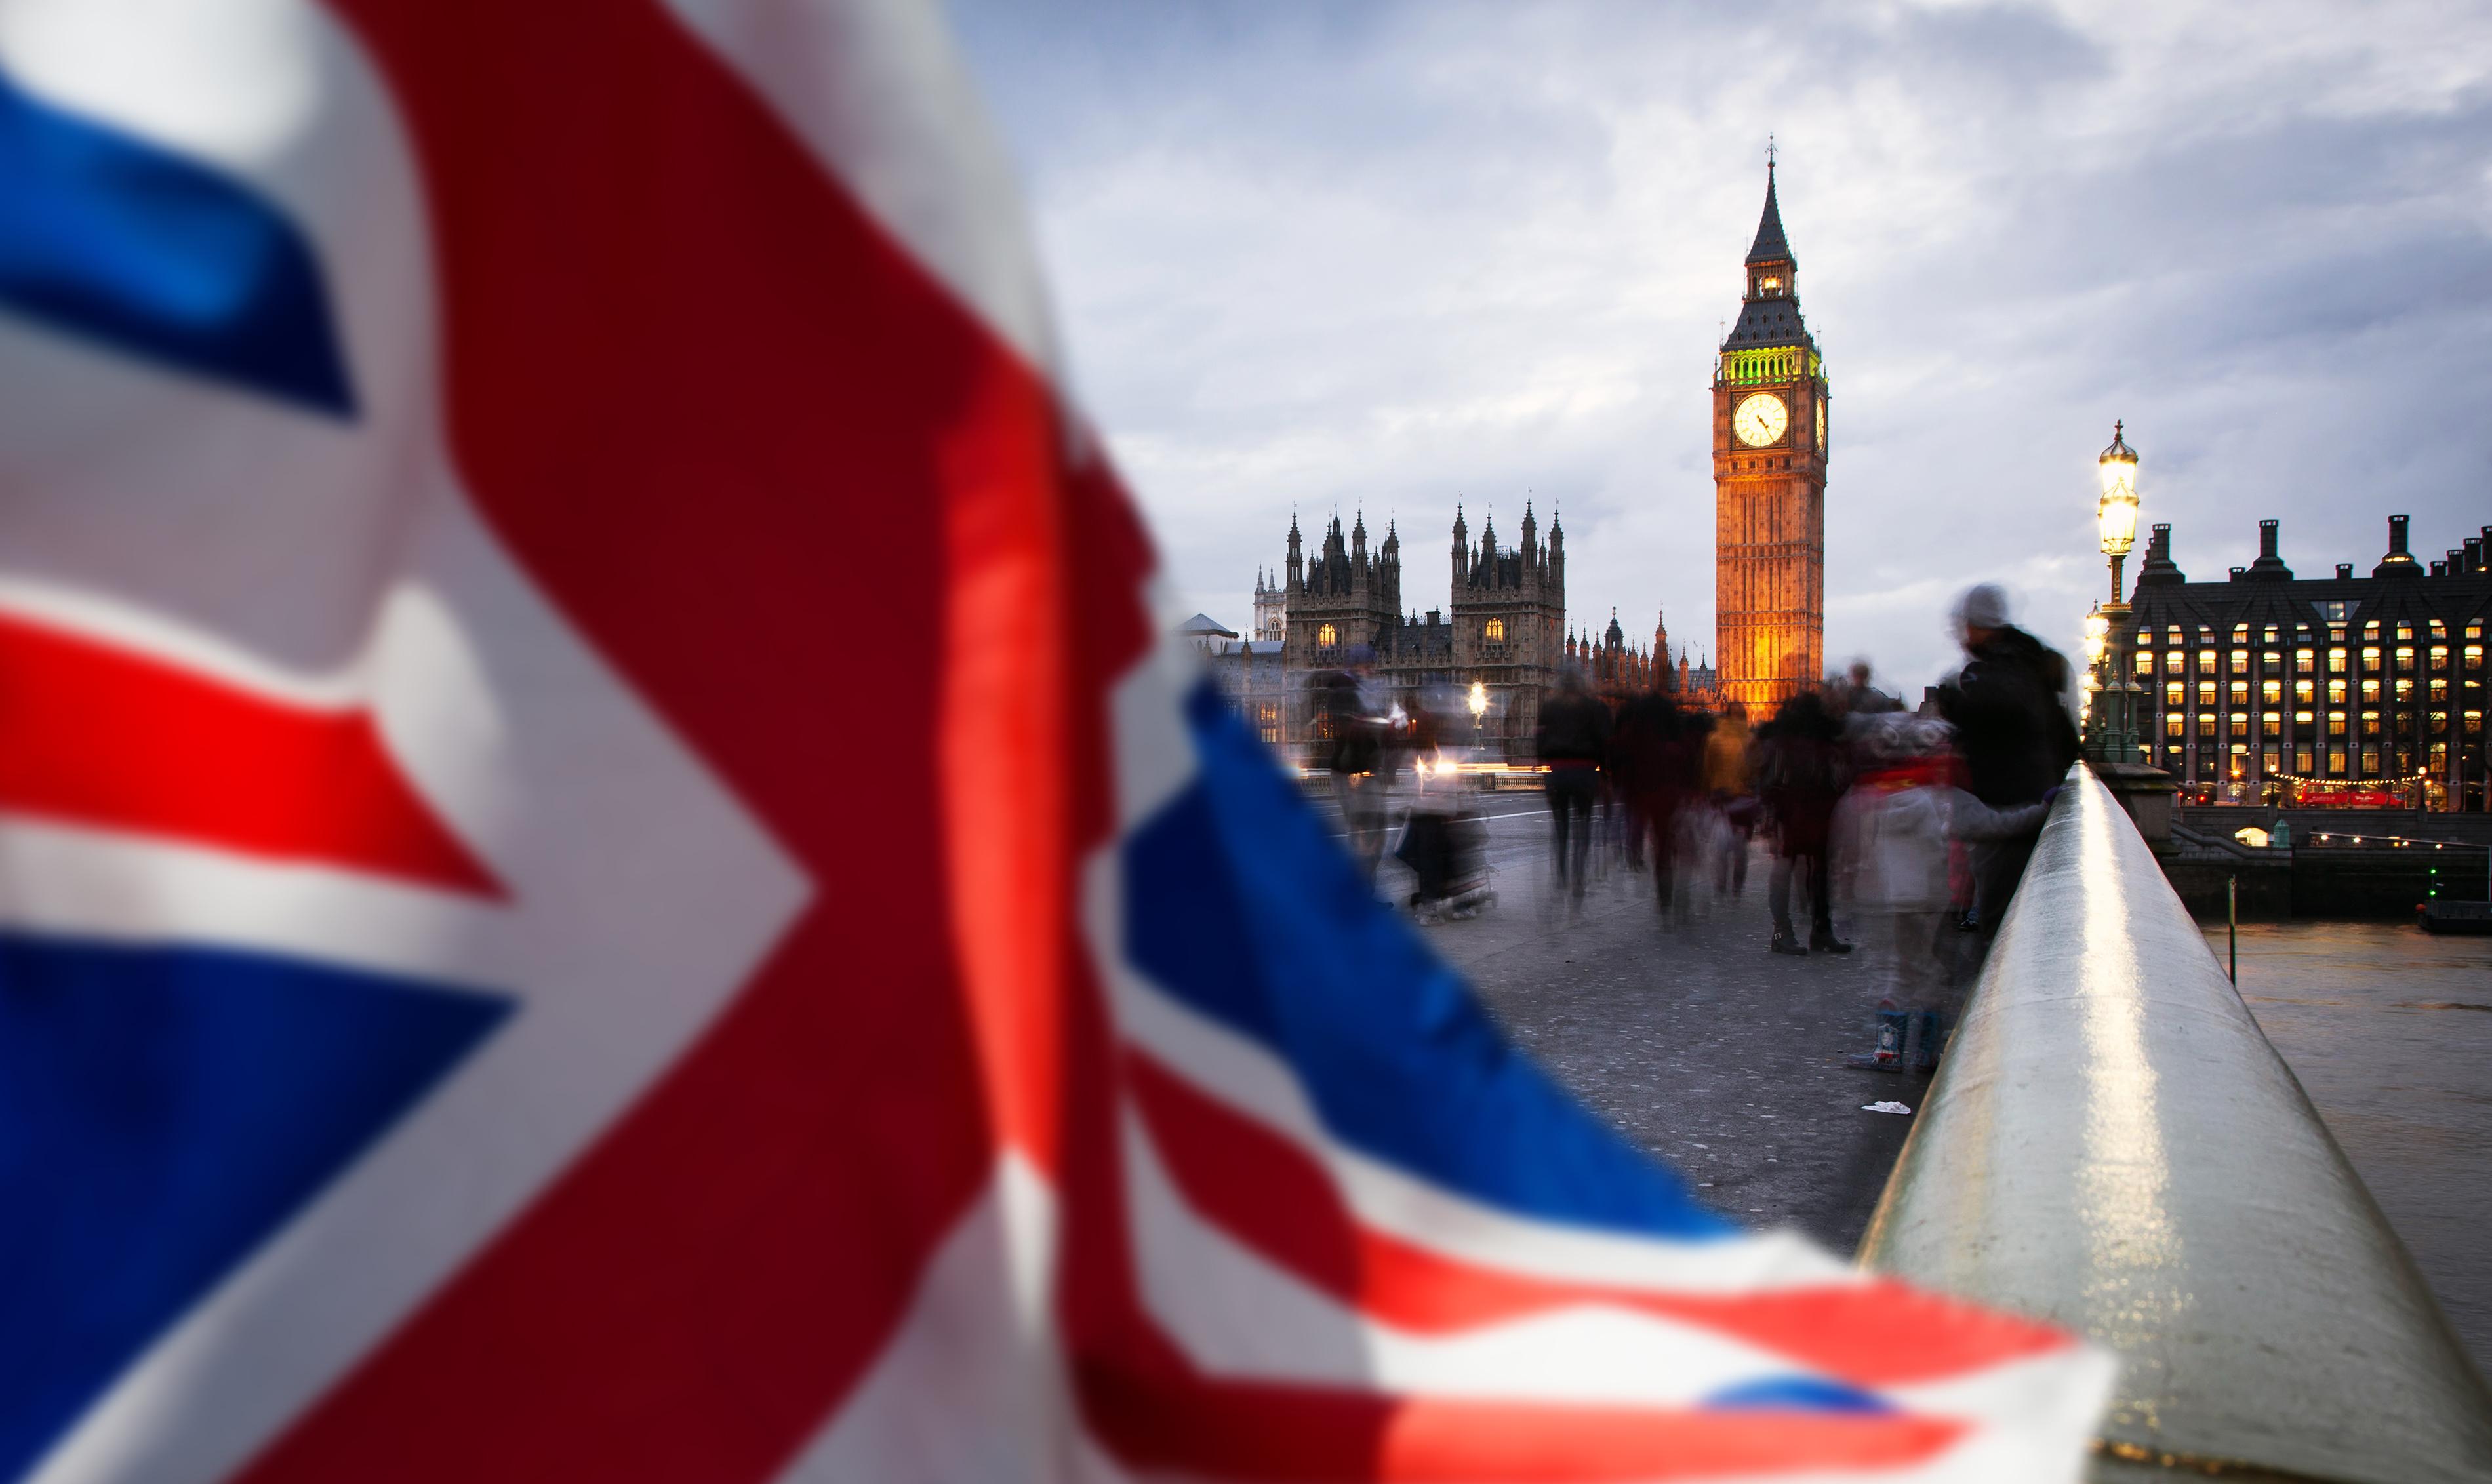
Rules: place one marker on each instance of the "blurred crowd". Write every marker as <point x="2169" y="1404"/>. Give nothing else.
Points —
<point x="1908" y="828"/>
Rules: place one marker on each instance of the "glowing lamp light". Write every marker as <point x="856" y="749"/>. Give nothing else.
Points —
<point x="2097" y="632"/>
<point x="2117" y="512"/>
<point x="1478" y="701"/>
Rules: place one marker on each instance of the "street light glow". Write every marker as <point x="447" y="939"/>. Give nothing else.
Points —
<point x="1479" y="700"/>
<point x="2117" y="512"/>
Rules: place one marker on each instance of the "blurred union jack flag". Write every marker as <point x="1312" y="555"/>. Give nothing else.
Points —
<point x="456" y="1024"/>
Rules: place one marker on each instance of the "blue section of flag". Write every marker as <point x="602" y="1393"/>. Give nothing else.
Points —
<point x="162" y="1111"/>
<point x="1239" y="906"/>
<point x="1797" y="1393"/>
<point x="113" y="238"/>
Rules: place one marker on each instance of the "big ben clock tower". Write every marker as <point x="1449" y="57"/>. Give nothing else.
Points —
<point x="1769" y="399"/>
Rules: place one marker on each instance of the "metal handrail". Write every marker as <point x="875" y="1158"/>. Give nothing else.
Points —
<point x="2113" y="1144"/>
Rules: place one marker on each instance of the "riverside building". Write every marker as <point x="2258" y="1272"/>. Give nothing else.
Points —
<point x="2268" y="686"/>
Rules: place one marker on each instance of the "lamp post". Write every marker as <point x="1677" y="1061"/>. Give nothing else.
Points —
<point x="2112" y="735"/>
<point x="1479" y="709"/>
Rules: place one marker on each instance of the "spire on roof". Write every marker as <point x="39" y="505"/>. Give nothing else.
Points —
<point x="1770" y="246"/>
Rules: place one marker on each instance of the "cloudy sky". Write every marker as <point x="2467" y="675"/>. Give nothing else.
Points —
<point x="1377" y="255"/>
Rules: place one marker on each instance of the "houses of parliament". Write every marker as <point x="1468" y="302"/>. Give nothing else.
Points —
<point x="1504" y="632"/>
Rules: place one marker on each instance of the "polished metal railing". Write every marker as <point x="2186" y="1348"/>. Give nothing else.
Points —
<point x="2113" y="1144"/>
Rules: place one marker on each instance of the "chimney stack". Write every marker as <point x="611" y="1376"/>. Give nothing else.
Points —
<point x="2344" y="571"/>
<point x="2266" y="540"/>
<point x="2399" y="562"/>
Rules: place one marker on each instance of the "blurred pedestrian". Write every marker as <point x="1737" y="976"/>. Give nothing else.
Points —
<point x="1352" y="735"/>
<point x="1729" y="781"/>
<point x="2010" y="708"/>
<point x="1891" y="839"/>
<point x="1571" y="738"/>
<point x="1800" y="778"/>
<point x="1662" y="772"/>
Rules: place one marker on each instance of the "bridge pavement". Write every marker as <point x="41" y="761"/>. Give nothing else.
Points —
<point x="1720" y="1057"/>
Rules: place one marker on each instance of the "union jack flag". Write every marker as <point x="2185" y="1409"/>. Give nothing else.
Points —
<point x="455" y="1025"/>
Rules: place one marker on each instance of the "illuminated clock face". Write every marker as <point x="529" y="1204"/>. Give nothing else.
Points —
<point x="1761" y="418"/>
<point x="1820" y="425"/>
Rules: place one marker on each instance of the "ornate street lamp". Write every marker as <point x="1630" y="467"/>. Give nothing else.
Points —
<point x="2116" y="511"/>
<point x="1479" y="709"/>
<point x="2111" y="712"/>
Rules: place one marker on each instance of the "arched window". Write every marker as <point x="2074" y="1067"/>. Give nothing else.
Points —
<point x="1494" y="633"/>
<point x="1326" y="637"/>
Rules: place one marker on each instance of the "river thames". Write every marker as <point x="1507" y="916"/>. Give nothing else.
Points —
<point x="2389" y="1029"/>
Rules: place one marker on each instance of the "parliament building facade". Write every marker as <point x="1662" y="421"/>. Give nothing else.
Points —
<point x="1502" y="629"/>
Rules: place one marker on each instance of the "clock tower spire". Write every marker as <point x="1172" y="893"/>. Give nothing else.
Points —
<point x="1769" y="404"/>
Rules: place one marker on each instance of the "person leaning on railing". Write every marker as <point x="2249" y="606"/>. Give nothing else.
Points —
<point x="2009" y="710"/>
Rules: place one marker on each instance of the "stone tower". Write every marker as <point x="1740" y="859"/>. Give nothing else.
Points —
<point x="1769" y="426"/>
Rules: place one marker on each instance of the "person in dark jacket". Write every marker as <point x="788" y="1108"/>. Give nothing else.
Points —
<point x="1799" y="779"/>
<point x="1571" y="739"/>
<point x="1661" y="772"/>
<point x="2010" y="711"/>
<point x="1352" y="746"/>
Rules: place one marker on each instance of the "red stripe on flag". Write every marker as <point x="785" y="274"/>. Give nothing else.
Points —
<point x="1272" y="1196"/>
<point x="98" y="735"/>
<point x="718" y="417"/>
<point x="1284" y="1435"/>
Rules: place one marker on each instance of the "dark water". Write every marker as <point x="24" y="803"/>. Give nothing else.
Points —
<point x="2390" y="1030"/>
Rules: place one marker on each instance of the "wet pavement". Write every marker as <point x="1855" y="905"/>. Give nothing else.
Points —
<point x="1722" y="1058"/>
<point x="2390" y="1030"/>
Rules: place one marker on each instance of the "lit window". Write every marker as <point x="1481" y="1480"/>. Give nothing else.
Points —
<point x="2335" y="693"/>
<point x="2439" y="689"/>
<point x="2303" y="659"/>
<point x="1494" y="633"/>
<point x="2439" y="629"/>
<point x="2206" y="662"/>
<point x="2404" y="659"/>
<point x="2241" y="634"/>
<point x="2302" y="691"/>
<point x="2206" y="723"/>
<point x="2336" y="662"/>
<point x="2271" y="725"/>
<point x="2474" y="655"/>
<point x="2241" y="694"/>
<point x="1327" y="637"/>
<point x="2474" y="631"/>
<point x="2439" y="721"/>
<point x="2439" y="755"/>
<point x="2175" y="724"/>
<point x="2272" y="692"/>
<point x="2171" y="663"/>
<point x="2335" y="763"/>
<point x="2174" y="694"/>
<point x="2370" y="659"/>
<point x="2370" y="762"/>
<point x="2335" y="723"/>
<point x="2145" y="662"/>
<point x="2274" y="660"/>
<point x="2301" y="719"/>
<point x="2473" y="722"/>
<point x="2207" y="693"/>
<point x="2440" y="657"/>
<point x="2370" y="724"/>
<point x="2405" y="631"/>
<point x="2405" y="690"/>
<point x="2370" y="689"/>
<point x="2240" y="662"/>
<point x="2301" y="760"/>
